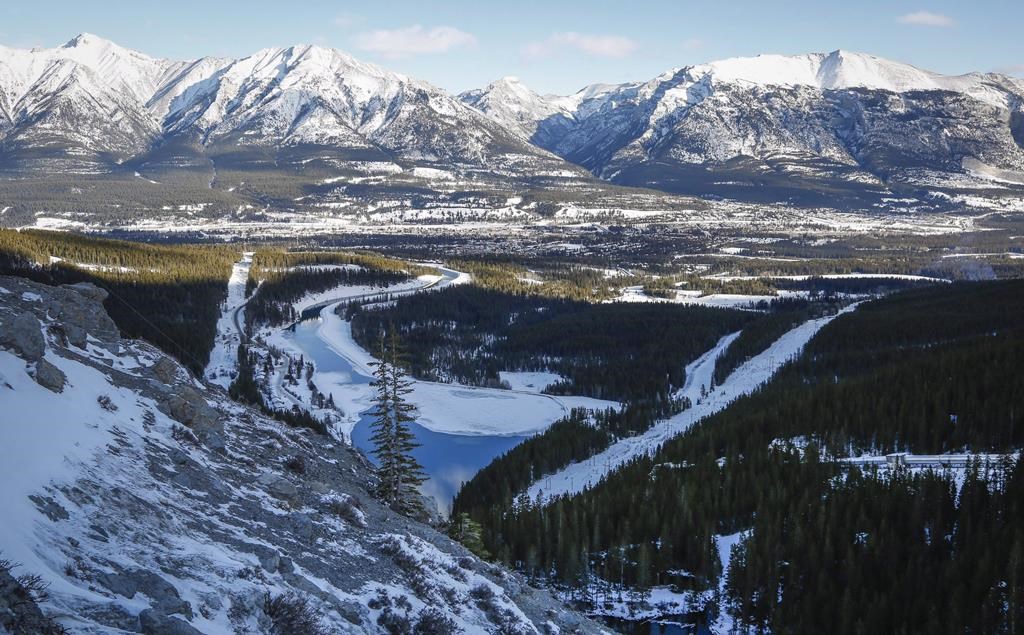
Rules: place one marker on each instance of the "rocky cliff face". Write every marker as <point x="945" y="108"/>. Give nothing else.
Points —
<point x="149" y="502"/>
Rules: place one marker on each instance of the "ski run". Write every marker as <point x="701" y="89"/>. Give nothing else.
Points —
<point x="224" y="356"/>
<point x="744" y="380"/>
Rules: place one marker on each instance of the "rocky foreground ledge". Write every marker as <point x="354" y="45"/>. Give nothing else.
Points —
<point x="137" y="499"/>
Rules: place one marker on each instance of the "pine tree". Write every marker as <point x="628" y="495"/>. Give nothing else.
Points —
<point x="400" y="473"/>
<point x="383" y="428"/>
<point x="468" y="532"/>
<point x="410" y="473"/>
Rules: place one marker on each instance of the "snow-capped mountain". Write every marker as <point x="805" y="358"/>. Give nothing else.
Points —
<point x="785" y="122"/>
<point x="509" y="102"/>
<point x="309" y="126"/>
<point x="94" y="103"/>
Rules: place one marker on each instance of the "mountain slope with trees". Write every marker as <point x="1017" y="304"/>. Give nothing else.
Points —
<point x="915" y="371"/>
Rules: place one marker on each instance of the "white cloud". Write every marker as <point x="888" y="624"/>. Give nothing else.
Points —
<point x="413" y="40"/>
<point x="596" y="45"/>
<point x="693" y="44"/>
<point x="343" y="20"/>
<point x="926" y="18"/>
<point x="1016" y="69"/>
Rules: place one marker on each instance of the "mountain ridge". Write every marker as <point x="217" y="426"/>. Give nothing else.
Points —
<point x="796" y="125"/>
<point x="837" y="130"/>
<point x="276" y="96"/>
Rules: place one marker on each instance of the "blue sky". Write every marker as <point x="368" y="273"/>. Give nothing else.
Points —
<point x="553" y="46"/>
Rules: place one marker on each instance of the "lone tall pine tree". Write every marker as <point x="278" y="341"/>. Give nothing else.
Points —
<point x="399" y="472"/>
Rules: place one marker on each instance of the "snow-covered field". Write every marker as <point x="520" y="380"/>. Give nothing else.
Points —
<point x="834" y="276"/>
<point x="535" y="381"/>
<point x="445" y="408"/>
<point x="719" y="300"/>
<point x="743" y="381"/>
<point x="224" y="356"/>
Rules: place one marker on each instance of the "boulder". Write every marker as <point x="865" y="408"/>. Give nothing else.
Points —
<point x="131" y="581"/>
<point x="89" y="290"/>
<point x="153" y="622"/>
<point x="270" y="560"/>
<point x="279" y="487"/>
<point x="81" y="314"/>
<point x="166" y="370"/>
<point x="185" y="405"/>
<point x="76" y="335"/>
<point x="23" y="335"/>
<point x="49" y="376"/>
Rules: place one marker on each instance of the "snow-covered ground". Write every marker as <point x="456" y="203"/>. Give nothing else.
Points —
<point x="938" y="461"/>
<point x="693" y="297"/>
<point x="743" y="381"/>
<point x="834" y="276"/>
<point x="654" y="605"/>
<point x="445" y="408"/>
<point x="46" y="438"/>
<point x="224" y="356"/>
<point x="534" y="381"/>
<point x="354" y="291"/>
<point x="700" y="372"/>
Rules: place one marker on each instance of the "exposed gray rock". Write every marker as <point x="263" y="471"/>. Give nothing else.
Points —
<point x="49" y="376"/>
<point x="23" y="335"/>
<point x="126" y="519"/>
<point x="131" y="581"/>
<point x="269" y="560"/>
<point x="76" y="335"/>
<point x="49" y="507"/>
<point x="81" y="315"/>
<point x="186" y="405"/>
<point x="302" y="526"/>
<point x="89" y="290"/>
<point x="155" y="623"/>
<point x="166" y="370"/>
<point x="279" y="487"/>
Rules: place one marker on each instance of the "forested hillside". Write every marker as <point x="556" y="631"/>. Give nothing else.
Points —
<point x="624" y="352"/>
<point x="166" y="294"/>
<point x="834" y="547"/>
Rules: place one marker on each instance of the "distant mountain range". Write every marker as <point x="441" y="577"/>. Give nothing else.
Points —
<point x="816" y="126"/>
<point x="92" y="104"/>
<point x="834" y="130"/>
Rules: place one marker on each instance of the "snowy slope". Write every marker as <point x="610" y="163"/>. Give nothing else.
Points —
<point x="150" y="503"/>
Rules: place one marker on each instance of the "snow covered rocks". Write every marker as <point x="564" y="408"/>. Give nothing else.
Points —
<point x="149" y="502"/>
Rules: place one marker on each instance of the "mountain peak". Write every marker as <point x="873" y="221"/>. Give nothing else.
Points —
<point x="87" y="40"/>
<point x="837" y="70"/>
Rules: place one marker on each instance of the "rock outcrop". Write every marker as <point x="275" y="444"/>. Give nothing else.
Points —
<point x="21" y="334"/>
<point x="170" y="509"/>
